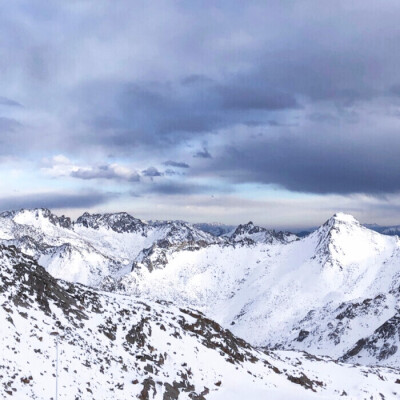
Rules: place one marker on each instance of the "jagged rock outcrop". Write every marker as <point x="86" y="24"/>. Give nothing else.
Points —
<point x="256" y="234"/>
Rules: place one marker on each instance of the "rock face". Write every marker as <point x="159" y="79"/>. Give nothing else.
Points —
<point x="118" y="222"/>
<point x="256" y="234"/>
<point x="117" y="347"/>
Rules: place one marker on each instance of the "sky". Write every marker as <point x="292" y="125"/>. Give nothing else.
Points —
<point x="280" y="112"/>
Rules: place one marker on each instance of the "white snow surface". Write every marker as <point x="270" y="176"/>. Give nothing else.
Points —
<point x="118" y="347"/>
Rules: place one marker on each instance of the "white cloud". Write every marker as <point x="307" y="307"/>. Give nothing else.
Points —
<point x="62" y="166"/>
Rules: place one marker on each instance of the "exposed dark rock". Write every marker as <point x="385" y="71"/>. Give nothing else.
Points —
<point x="233" y="347"/>
<point x="302" y="335"/>
<point x="382" y="344"/>
<point x="118" y="222"/>
<point x="149" y="389"/>
<point x="304" y="381"/>
<point x="137" y="335"/>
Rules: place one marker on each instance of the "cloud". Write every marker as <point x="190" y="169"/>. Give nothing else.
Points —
<point x="159" y="114"/>
<point x="172" y="172"/>
<point x="257" y="97"/>
<point x="313" y="161"/>
<point x="151" y="172"/>
<point x="55" y="200"/>
<point x="9" y="102"/>
<point x="176" y="164"/>
<point x="106" y="172"/>
<point x="58" y="159"/>
<point x="60" y="165"/>
<point x="258" y="61"/>
<point x="9" y="125"/>
<point x="179" y="188"/>
<point x="202" y="154"/>
<point x="275" y="95"/>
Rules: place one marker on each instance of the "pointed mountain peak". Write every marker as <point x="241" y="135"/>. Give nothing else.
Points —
<point x="342" y="240"/>
<point x="342" y="217"/>
<point x="256" y="233"/>
<point x="337" y="220"/>
<point x="248" y="228"/>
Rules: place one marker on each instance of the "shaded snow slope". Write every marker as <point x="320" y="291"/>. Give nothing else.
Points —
<point x="117" y="347"/>
<point x="215" y="228"/>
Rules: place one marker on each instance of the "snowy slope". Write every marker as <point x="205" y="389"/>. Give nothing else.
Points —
<point x="118" y="347"/>
<point x="321" y="294"/>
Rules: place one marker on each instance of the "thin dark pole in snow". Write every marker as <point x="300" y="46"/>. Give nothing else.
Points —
<point x="57" y="368"/>
<point x="57" y="338"/>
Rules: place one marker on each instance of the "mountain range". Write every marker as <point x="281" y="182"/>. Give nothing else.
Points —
<point x="166" y="309"/>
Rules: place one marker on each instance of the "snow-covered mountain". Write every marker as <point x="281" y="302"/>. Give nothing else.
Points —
<point x="334" y="292"/>
<point x="391" y="230"/>
<point x="323" y="293"/>
<point x="94" y="248"/>
<point x="111" y="346"/>
<point x="99" y="249"/>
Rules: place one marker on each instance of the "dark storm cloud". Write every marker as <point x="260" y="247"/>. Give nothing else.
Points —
<point x="55" y="200"/>
<point x="159" y="114"/>
<point x="176" y="164"/>
<point x="202" y="154"/>
<point x="151" y="172"/>
<point x="171" y="172"/>
<point x="316" y="162"/>
<point x="257" y="97"/>
<point x="134" y="78"/>
<point x="180" y="188"/>
<point x="280" y="75"/>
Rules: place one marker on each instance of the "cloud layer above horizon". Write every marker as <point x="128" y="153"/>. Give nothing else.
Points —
<point x="202" y="110"/>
